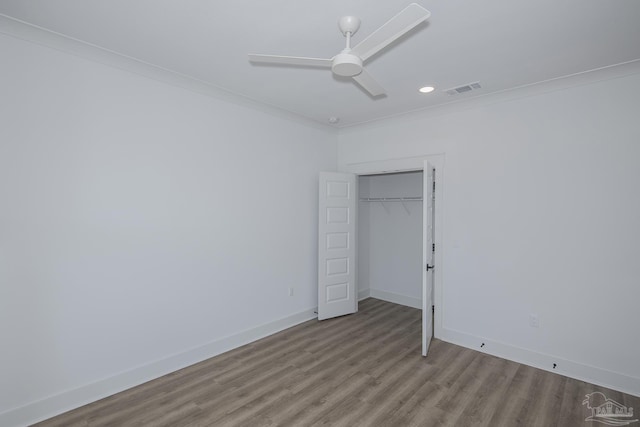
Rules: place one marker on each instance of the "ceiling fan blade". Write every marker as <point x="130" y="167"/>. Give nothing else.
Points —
<point x="400" y="24"/>
<point x="367" y="82"/>
<point x="290" y="60"/>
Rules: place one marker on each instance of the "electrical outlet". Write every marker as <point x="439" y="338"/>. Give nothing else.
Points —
<point x="534" y="321"/>
<point x="290" y="292"/>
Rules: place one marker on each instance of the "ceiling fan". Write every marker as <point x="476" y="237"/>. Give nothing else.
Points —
<point x="348" y="63"/>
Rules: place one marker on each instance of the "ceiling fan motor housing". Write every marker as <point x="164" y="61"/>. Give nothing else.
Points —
<point x="346" y="64"/>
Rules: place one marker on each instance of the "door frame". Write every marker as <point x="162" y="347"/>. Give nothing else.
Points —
<point x="409" y="164"/>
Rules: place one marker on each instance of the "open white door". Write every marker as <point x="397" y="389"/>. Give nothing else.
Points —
<point x="428" y="252"/>
<point x="337" y="245"/>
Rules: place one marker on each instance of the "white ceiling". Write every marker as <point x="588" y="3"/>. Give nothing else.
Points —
<point x="500" y="43"/>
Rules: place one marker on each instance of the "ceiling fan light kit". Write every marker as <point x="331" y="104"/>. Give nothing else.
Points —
<point x="349" y="62"/>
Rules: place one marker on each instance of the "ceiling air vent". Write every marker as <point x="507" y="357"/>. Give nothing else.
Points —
<point x="462" y="89"/>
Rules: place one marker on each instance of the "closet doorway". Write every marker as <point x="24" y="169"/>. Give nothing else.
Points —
<point x="378" y="236"/>
<point x="390" y="237"/>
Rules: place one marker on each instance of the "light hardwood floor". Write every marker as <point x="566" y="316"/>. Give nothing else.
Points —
<point x="358" y="370"/>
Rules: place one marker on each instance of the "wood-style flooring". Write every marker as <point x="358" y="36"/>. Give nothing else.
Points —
<point x="358" y="370"/>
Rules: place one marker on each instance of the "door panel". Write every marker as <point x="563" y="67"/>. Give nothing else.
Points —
<point x="338" y="292"/>
<point x="336" y="245"/>
<point x="337" y="241"/>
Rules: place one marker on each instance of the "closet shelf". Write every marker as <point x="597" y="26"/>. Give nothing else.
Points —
<point x="391" y="199"/>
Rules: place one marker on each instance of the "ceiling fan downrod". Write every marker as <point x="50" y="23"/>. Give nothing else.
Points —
<point x="345" y="63"/>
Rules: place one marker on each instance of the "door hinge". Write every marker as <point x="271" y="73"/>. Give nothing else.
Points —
<point x="433" y="247"/>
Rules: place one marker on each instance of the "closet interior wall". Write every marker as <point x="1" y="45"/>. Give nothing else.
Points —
<point x="390" y="237"/>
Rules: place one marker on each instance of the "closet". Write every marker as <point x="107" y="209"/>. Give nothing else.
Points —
<point x="390" y="237"/>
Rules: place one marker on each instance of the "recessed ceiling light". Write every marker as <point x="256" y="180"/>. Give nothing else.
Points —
<point x="334" y="120"/>
<point x="426" y="89"/>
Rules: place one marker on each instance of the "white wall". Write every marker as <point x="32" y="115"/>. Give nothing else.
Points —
<point x="390" y="239"/>
<point x="140" y="221"/>
<point x="364" y="289"/>
<point x="541" y="216"/>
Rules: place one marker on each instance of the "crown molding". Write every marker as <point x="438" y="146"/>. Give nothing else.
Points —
<point x="609" y="72"/>
<point x="34" y="34"/>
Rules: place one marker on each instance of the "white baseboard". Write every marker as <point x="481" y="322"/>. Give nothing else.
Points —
<point x="396" y="298"/>
<point x="68" y="400"/>
<point x="590" y="374"/>
<point x="363" y="294"/>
